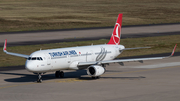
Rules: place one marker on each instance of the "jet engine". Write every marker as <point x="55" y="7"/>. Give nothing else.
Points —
<point x="95" y="70"/>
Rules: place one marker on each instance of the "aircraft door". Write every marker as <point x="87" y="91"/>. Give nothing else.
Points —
<point x="48" y="59"/>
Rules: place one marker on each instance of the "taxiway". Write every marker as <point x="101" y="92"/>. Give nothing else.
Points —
<point x="155" y="80"/>
<point x="42" y="37"/>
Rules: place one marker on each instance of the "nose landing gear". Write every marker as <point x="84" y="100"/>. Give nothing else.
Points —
<point x="39" y="80"/>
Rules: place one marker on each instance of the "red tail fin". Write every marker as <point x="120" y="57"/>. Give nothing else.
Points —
<point x="116" y="35"/>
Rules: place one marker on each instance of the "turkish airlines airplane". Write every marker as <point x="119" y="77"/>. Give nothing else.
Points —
<point x="93" y="58"/>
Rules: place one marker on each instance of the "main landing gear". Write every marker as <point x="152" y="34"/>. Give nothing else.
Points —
<point x="59" y="74"/>
<point x="95" y="77"/>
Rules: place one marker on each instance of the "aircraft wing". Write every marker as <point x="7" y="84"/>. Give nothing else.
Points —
<point x="14" y="54"/>
<point x="120" y="61"/>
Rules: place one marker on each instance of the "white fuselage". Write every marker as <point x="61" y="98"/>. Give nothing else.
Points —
<point x="68" y="58"/>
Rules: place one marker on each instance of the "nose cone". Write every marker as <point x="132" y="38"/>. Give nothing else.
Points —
<point x="30" y="66"/>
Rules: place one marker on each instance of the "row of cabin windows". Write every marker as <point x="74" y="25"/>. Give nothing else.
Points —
<point x="35" y="58"/>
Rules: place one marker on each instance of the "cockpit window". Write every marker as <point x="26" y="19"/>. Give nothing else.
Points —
<point x="38" y="58"/>
<point x="29" y="58"/>
<point x="35" y="58"/>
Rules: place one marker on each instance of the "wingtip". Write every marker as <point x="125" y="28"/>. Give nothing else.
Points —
<point x="5" y="45"/>
<point x="173" y="50"/>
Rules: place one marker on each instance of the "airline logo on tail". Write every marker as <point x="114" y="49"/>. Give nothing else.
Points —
<point x="116" y="35"/>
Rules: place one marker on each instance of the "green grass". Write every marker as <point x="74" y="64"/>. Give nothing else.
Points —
<point x="162" y="44"/>
<point x="25" y="15"/>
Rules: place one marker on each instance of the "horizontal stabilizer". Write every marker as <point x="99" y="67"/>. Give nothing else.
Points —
<point x="136" y="48"/>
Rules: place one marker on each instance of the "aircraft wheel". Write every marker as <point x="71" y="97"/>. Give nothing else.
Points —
<point x="61" y="74"/>
<point x="95" y="77"/>
<point x="39" y="80"/>
<point x="57" y="74"/>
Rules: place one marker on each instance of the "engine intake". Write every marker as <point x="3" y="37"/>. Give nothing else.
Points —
<point x="95" y="70"/>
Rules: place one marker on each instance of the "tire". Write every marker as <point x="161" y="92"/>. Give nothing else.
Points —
<point x="61" y="74"/>
<point x="57" y="74"/>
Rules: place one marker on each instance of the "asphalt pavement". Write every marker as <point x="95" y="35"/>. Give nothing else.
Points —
<point x="154" y="80"/>
<point x="42" y="37"/>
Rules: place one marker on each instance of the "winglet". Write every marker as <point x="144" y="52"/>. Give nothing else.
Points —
<point x="173" y="50"/>
<point x="5" y="45"/>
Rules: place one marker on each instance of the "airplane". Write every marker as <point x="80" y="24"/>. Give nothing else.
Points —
<point x="94" y="58"/>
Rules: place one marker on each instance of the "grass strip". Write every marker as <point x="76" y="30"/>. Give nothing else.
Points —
<point x="28" y="15"/>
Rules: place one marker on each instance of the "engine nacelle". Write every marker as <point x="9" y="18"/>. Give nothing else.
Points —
<point x="95" y="70"/>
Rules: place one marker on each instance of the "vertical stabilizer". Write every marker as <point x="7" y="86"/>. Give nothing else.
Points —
<point x="116" y="35"/>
